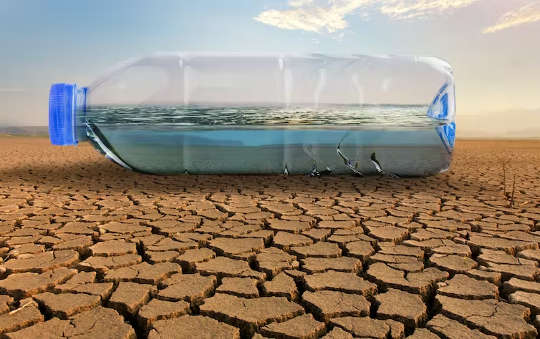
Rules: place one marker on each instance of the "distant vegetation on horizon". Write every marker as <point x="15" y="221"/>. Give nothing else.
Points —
<point x="25" y="130"/>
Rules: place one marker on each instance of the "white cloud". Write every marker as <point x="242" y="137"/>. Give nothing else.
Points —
<point x="523" y="15"/>
<point x="406" y="9"/>
<point x="312" y="16"/>
<point x="300" y="3"/>
<point x="329" y="15"/>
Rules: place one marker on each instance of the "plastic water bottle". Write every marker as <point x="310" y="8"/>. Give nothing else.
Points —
<point x="262" y="114"/>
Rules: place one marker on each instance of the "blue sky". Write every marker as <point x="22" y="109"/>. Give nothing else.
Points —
<point x="493" y="45"/>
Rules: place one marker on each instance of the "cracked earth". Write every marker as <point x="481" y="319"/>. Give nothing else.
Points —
<point x="88" y="249"/>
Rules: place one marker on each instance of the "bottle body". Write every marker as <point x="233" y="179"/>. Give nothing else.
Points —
<point x="269" y="114"/>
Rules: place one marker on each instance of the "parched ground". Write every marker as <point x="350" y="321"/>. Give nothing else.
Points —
<point x="89" y="249"/>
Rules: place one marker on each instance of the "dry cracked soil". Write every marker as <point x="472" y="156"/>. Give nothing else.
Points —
<point x="88" y="249"/>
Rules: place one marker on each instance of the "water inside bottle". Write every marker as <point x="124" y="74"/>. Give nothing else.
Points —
<point x="363" y="139"/>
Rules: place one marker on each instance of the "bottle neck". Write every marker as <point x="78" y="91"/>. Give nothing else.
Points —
<point x="80" y="113"/>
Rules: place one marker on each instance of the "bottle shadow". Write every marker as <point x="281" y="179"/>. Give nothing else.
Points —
<point x="104" y="176"/>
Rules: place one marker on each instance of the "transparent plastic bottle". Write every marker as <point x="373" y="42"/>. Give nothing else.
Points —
<point x="265" y="114"/>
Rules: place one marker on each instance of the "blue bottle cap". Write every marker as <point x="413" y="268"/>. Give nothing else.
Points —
<point x="62" y="103"/>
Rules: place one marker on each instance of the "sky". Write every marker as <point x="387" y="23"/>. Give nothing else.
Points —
<point x="492" y="45"/>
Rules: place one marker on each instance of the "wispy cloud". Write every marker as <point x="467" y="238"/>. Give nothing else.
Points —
<point x="406" y="9"/>
<point x="312" y="16"/>
<point x="523" y="15"/>
<point x="299" y="3"/>
<point x="329" y="15"/>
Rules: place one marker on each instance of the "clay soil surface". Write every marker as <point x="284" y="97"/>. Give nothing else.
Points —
<point x="88" y="249"/>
